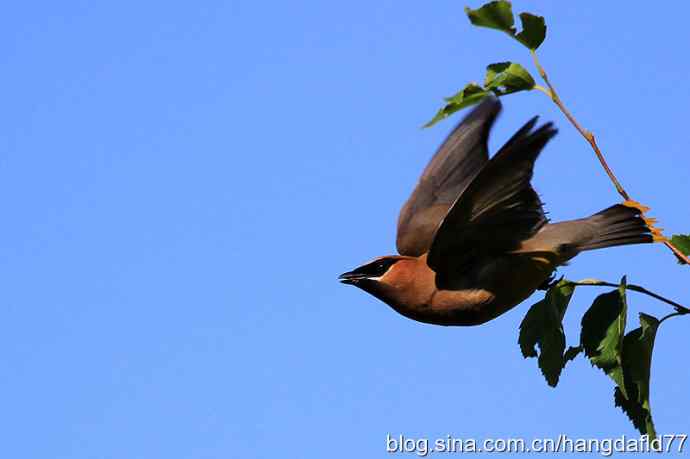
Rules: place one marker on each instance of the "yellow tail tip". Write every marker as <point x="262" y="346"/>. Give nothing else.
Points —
<point x="657" y="233"/>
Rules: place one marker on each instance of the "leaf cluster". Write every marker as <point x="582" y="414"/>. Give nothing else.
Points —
<point x="499" y="15"/>
<point x="501" y="78"/>
<point x="625" y="357"/>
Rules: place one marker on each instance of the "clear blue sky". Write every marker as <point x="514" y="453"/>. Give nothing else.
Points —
<point x="182" y="182"/>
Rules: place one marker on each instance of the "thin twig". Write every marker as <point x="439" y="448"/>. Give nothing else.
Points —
<point x="589" y="137"/>
<point x="673" y="314"/>
<point x="543" y="89"/>
<point x="680" y="309"/>
<point x="585" y="133"/>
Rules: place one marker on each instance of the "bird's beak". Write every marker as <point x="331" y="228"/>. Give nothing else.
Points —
<point x="351" y="277"/>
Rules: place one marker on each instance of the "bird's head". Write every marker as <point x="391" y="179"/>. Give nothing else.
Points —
<point x="392" y="279"/>
<point x="373" y="271"/>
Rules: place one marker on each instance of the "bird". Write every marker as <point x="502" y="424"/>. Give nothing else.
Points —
<point x="473" y="237"/>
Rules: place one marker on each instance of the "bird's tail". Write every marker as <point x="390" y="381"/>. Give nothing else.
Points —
<point x="617" y="225"/>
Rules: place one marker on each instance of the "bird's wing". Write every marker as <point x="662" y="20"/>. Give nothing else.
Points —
<point x="497" y="210"/>
<point x="450" y="171"/>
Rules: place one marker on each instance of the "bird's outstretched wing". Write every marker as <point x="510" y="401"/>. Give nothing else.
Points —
<point x="456" y="163"/>
<point x="497" y="211"/>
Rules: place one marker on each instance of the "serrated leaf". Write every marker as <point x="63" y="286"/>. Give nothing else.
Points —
<point x="682" y="242"/>
<point x="626" y="358"/>
<point x="632" y="410"/>
<point x="531" y="329"/>
<point x="633" y="397"/>
<point x="542" y="327"/>
<point x="494" y="15"/>
<point x="469" y="95"/>
<point x="603" y="329"/>
<point x="533" y="30"/>
<point x="551" y="361"/>
<point x="507" y="77"/>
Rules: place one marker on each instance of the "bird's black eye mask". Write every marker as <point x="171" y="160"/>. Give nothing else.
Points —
<point x="376" y="268"/>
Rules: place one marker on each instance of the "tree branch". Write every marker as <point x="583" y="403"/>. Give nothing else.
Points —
<point x="680" y="309"/>
<point x="589" y="137"/>
<point x="673" y="314"/>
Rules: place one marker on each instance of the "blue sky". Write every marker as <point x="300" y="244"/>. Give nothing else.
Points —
<point x="182" y="182"/>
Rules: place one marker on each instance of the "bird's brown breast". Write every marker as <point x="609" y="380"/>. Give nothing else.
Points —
<point x="497" y="288"/>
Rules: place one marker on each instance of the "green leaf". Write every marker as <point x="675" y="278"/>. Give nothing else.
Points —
<point x="636" y="364"/>
<point x="682" y="242"/>
<point x="494" y="15"/>
<point x="532" y="328"/>
<point x="499" y="15"/>
<point x="469" y="95"/>
<point x="603" y="329"/>
<point x="551" y="361"/>
<point x="543" y="327"/>
<point x="626" y="358"/>
<point x="559" y="296"/>
<point x="493" y="70"/>
<point x="507" y="77"/>
<point x="533" y="30"/>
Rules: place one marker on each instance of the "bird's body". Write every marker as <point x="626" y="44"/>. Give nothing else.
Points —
<point x="475" y="299"/>
<point x="473" y="237"/>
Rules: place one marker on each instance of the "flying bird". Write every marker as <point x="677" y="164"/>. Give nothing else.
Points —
<point x="473" y="238"/>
